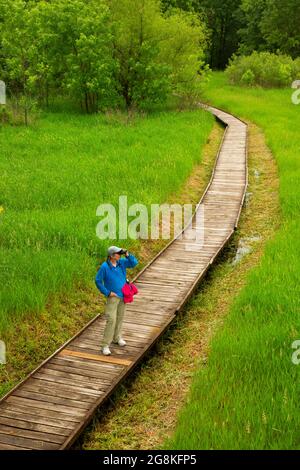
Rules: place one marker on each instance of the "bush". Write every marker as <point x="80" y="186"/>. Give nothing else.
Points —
<point x="296" y="68"/>
<point x="19" y="110"/>
<point x="264" y="69"/>
<point x="4" y="116"/>
<point x="248" y="78"/>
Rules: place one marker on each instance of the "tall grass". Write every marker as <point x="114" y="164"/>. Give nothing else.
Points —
<point x="247" y="396"/>
<point x="54" y="175"/>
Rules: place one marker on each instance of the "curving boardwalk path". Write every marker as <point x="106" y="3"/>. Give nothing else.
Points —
<point x="55" y="402"/>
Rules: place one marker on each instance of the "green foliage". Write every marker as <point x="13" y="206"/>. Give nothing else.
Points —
<point x="148" y="79"/>
<point x="157" y="54"/>
<point x="182" y="35"/>
<point x="18" y="51"/>
<point x="141" y="76"/>
<point x="264" y="69"/>
<point x="100" y="53"/>
<point x="248" y="78"/>
<point x="250" y="34"/>
<point x="76" y="41"/>
<point x="222" y="19"/>
<point x="280" y="26"/>
<point x="270" y="25"/>
<point x="244" y="26"/>
<point x="4" y="114"/>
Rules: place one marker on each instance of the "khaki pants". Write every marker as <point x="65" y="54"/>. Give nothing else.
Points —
<point x="114" y="313"/>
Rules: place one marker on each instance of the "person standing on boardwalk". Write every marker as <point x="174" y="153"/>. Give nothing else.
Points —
<point x="110" y="279"/>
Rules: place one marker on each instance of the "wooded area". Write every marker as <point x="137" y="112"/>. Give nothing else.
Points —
<point x="246" y="25"/>
<point x="114" y="53"/>
<point x="101" y="53"/>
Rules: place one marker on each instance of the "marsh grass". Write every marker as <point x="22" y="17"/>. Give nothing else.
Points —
<point x="56" y="173"/>
<point x="247" y="396"/>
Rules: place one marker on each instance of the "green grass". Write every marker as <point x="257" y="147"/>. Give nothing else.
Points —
<point x="55" y="173"/>
<point x="247" y="396"/>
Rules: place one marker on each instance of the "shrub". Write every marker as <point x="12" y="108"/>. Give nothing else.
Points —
<point x="264" y="69"/>
<point x="248" y="78"/>
<point x="296" y="68"/>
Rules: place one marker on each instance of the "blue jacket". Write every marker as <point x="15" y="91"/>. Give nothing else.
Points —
<point x="112" y="278"/>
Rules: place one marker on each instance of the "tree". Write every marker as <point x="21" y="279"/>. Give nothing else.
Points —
<point x="280" y="26"/>
<point x="270" y="25"/>
<point x="141" y="76"/>
<point x="250" y="34"/>
<point x="1" y="46"/>
<point x="157" y="54"/>
<point x="223" y="19"/>
<point x="18" y="51"/>
<point x="183" y="43"/>
<point x="76" y="44"/>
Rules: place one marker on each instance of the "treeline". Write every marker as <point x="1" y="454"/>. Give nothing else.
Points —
<point x="107" y="53"/>
<point x="101" y="53"/>
<point x="242" y="26"/>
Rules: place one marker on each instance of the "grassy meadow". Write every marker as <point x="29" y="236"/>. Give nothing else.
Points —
<point x="56" y="172"/>
<point x="247" y="394"/>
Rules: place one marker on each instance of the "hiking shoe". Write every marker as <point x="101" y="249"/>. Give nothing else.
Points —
<point x="121" y="342"/>
<point x="106" y="351"/>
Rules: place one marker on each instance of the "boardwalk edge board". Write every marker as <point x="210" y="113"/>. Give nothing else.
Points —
<point x="19" y="407"/>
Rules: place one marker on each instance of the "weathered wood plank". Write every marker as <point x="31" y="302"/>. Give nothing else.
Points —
<point x="31" y="434"/>
<point x="27" y="443"/>
<point x="62" y="389"/>
<point x="28" y="425"/>
<point x="11" y="447"/>
<point x="31" y="416"/>
<point x="23" y="393"/>
<point x="64" y="410"/>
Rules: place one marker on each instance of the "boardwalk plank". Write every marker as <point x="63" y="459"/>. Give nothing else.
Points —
<point x="42" y="396"/>
<point x="64" y="410"/>
<point x="36" y="435"/>
<point x="27" y="443"/>
<point x="61" y="389"/>
<point x="18" y="422"/>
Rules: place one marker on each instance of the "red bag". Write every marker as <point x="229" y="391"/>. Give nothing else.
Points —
<point x="129" y="290"/>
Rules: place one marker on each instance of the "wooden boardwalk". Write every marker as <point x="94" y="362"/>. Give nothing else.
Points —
<point x="50" y="408"/>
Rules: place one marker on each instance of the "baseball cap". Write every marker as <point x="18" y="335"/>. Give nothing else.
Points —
<point x="115" y="249"/>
